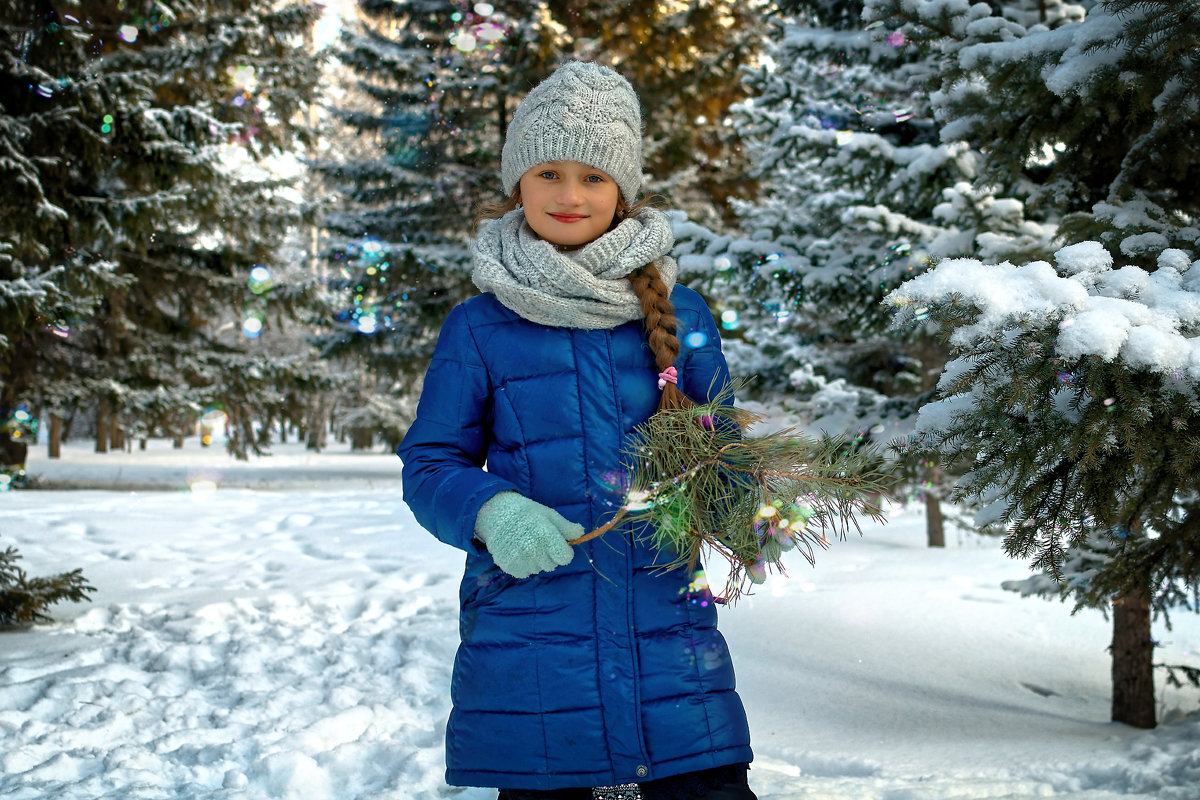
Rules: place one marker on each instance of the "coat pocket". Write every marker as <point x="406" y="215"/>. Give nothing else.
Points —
<point x="489" y="585"/>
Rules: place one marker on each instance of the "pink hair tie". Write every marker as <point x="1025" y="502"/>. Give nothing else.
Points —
<point x="668" y="375"/>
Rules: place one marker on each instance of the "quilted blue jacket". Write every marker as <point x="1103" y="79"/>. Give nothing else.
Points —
<point x="608" y="670"/>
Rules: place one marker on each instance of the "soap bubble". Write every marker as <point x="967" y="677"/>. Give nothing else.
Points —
<point x="696" y="339"/>
<point x="128" y="33"/>
<point x="252" y="325"/>
<point x="490" y="32"/>
<point x="260" y="279"/>
<point x="367" y="323"/>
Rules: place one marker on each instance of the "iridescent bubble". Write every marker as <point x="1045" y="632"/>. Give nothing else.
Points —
<point x="260" y="279"/>
<point x="202" y="487"/>
<point x="722" y="263"/>
<point x="615" y="481"/>
<point x="463" y="41"/>
<point x="1108" y="401"/>
<point x="252" y="325"/>
<point x="696" y="339"/>
<point x="1066" y="377"/>
<point x="729" y="319"/>
<point x="897" y="39"/>
<point x="921" y="313"/>
<point x="128" y="33"/>
<point x="490" y="32"/>
<point x="367" y="323"/>
<point x="484" y="9"/>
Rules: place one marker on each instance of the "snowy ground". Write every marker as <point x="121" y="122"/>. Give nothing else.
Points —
<point x="283" y="629"/>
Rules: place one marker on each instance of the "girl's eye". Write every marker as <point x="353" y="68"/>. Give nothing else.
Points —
<point x="548" y="175"/>
<point x="595" y="179"/>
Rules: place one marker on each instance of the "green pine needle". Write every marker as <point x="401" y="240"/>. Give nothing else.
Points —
<point x="704" y="486"/>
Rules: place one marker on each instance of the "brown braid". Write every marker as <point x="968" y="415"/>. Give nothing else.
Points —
<point x="660" y="328"/>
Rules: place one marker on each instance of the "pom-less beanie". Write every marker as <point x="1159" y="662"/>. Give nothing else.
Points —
<point x="583" y="112"/>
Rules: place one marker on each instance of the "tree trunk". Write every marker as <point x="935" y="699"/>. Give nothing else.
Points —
<point x="362" y="439"/>
<point x="264" y="430"/>
<point x="935" y="528"/>
<point x="1133" y="661"/>
<point x="116" y="435"/>
<point x="102" y="425"/>
<point x="68" y="422"/>
<point x="315" y="424"/>
<point x="54" y="440"/>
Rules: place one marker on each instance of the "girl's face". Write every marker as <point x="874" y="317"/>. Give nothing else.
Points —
<point x="568" y="203"/>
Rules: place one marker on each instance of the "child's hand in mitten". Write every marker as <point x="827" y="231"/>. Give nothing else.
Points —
<point x="525" y="536"/>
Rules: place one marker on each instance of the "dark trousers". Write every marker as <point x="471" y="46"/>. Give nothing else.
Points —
<point x="722" y="783"/>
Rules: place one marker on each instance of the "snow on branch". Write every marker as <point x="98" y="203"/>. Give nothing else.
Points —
<point x="1147" y="320"/>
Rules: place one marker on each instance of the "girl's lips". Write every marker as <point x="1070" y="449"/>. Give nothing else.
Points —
<point x="568" y="217"/>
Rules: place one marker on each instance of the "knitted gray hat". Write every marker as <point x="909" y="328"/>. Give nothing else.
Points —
<point x="583" y="112"/>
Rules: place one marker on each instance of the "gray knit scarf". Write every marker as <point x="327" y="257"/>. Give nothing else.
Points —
<point x="584" y="288"/>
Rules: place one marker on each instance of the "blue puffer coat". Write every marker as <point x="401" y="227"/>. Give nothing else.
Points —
<point x="607" y="670"/>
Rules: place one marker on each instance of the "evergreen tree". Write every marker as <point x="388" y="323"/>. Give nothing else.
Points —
<point x="858" y="193"/>
<point x="1074" y="391"/>
<point x="433" y="88"/>
<point x="131" y="237"/>
<point x="24" y="600"/>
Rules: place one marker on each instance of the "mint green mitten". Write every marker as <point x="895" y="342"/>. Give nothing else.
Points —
<point x="525" y="536"/>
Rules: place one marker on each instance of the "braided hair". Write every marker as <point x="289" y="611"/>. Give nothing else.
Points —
<point x="661" y="326"/>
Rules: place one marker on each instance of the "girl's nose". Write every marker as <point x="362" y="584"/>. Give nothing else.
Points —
<point x="570" y="194"/>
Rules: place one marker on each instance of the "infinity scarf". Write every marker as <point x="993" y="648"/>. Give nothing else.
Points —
<point x="584" y="288"/>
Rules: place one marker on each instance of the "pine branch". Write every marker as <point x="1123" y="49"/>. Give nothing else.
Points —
<point x="24" y="600"/>
<point x="700" y="486"/>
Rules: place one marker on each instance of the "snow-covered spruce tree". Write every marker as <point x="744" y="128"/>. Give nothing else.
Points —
<point x="126" y="213"/>
<point x="857" y="193"/>
<point x="1075" y="391"/>
<point x="436" y="84"/>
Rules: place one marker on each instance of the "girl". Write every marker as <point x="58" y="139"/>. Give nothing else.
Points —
<point x="583" y="671"/>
